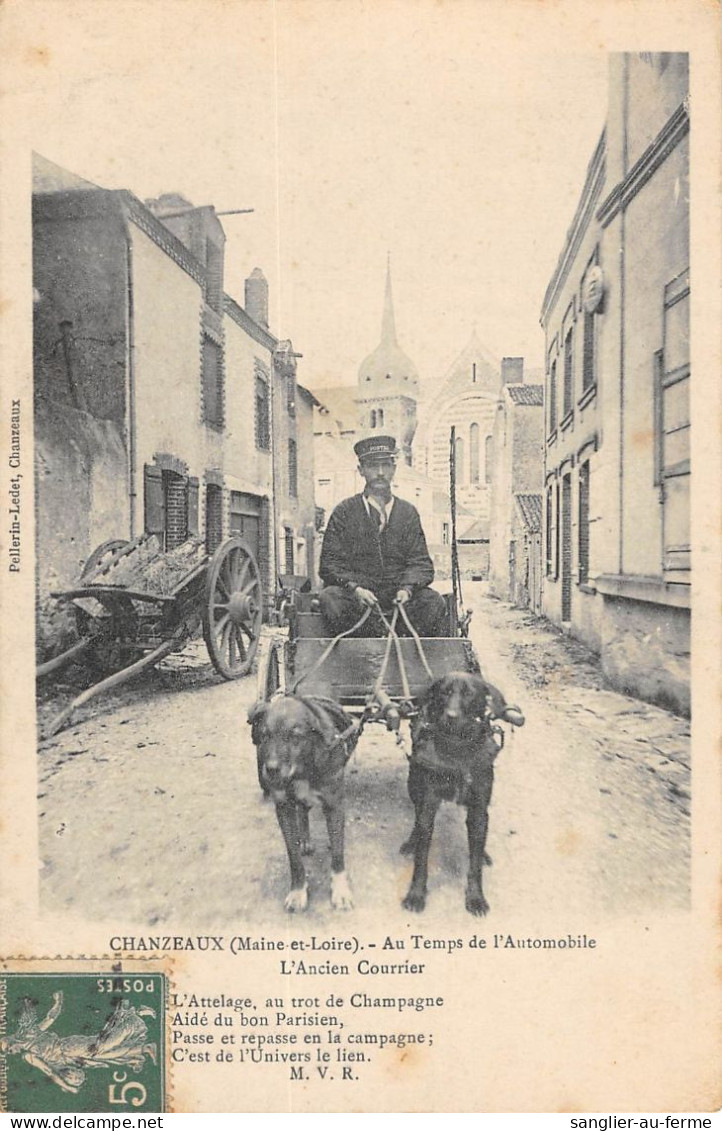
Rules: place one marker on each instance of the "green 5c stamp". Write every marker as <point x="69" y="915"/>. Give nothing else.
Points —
<point x="92" y="1042"/>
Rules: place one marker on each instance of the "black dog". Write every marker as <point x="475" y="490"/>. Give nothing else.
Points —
<point x="452" y="759"/>
<point x="303" y="744"/>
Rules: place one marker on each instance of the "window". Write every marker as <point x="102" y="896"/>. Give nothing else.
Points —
<point x="553" y="397"/>
<point x="372" y="418"/>
<point x="568" y="372"/>
<point x="672" y="430"/>
<point x="212" y="382"/>
<point x="263" y="421"/>
<point x="288" y="549"/>
<point x="459" y="460"/>
<point x="380" y="417"/>
<point x="291" y="393"/>
<point x="214" y="517"/>
<point x="489" y="457"/>
<point x="170" y="505"/>
<point x="557" y="527"/>
<point x="584" y="523"/>
<point x="444" y="534"/>
<point x="589" y="377"/>
<point x="292" y="469"/>
<point x="474" y="453"/>
<point x="549" y="529"/>
<point x="214" y="276"/>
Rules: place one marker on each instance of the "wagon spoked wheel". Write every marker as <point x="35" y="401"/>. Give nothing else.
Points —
<point x="101" y="556"/>
<point x="233" y="609"/>
<point x="106" y="655"/>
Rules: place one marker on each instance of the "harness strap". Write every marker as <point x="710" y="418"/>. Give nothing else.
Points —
<point x="390" y="633"/>
<point x="393" y="637"/>
<point x="417" y="639"/>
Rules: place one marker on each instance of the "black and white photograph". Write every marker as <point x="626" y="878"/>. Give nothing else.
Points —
<point x="360" y="637"/>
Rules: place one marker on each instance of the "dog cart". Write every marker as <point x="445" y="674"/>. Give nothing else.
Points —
<point x="377" y="678"/>
<point x="360" y="671"/>
<point x="134" y="604"/>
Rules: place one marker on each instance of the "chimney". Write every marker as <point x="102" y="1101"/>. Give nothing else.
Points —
<point x="512" y="370"/>
<point x="257" y="297"/>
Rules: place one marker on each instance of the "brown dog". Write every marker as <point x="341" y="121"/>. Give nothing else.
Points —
<point x="303" y="744"/>
<point x="452" y="759"/>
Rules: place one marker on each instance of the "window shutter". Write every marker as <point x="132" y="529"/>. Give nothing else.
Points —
<point x="193" y="507"/>
<point x="584" y="523"/>
<point x="154" y="500"/>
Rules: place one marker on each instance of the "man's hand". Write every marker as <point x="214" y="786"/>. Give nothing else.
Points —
<point x="365" y="596"/>
<point x="402" y="596"/>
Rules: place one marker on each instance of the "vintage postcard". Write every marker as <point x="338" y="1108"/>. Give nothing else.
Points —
<point x="360" y="613"/>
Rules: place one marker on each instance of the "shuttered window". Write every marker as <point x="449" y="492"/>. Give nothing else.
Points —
<point x="583" y="525"/>
<point x="154" y="502"/>
<point x="192" y="508"/>
<point x="170" y="503"/>
<point x="212" y="382"/>
<point x="553" y="396"/>
<point x="568" y="372"/>
<point x="549" y="531"/>
<point x="214" y="276"/>
<point x="672" y="417"/>
<point x="292" y="469"/>
<point x="288" y="549"/>
<point x="589" y="377"/>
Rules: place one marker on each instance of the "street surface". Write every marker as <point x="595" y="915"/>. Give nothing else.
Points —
<point x="150" y="812"/>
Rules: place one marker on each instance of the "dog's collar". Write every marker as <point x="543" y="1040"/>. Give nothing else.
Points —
<point x="481" y="727"/>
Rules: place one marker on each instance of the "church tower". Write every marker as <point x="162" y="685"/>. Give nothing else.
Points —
<point x="388" y="384"/>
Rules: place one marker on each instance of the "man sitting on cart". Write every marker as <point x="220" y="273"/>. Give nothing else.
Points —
<point x="374" y="554"/>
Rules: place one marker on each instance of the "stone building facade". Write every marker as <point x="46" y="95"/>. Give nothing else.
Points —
<point x="617" y="447"/>
<point x="144" y="370"/>
<point x="516" y="487"/>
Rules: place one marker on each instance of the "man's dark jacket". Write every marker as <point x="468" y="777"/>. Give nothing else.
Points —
<point x="355" y="552"/>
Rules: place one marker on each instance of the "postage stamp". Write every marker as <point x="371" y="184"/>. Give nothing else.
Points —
<point x="82" y="1042"/>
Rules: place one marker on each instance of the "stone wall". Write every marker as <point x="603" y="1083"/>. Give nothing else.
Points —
<point x="646" y="651"/>
<point x="82" y="501"/>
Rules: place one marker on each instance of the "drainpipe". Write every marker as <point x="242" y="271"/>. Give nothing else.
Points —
<point x="130" y="371"/>
<point x="275" y="478"/>
<point x="622" y="312"/>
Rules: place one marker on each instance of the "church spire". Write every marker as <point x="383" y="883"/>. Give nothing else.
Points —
<point x="388" y="323"/>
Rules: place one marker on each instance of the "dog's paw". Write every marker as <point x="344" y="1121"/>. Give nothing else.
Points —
<point x="408" y="848"/>
<point x="415" y="901"/>
<point x="297" y="899"/>
<point x="341" y="897"/>
<point x="476" y="904"/>
<point x="488" y="860"/>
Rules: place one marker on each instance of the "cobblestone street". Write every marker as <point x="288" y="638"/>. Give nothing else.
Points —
<point x="150" y="812"/>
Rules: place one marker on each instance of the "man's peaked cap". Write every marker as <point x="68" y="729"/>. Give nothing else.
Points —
<point x="376" y="447"/>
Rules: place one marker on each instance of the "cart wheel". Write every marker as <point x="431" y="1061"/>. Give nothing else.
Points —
<point x="270" y="675"/>
<point x="233" y="609"/>
<point x="101" y="556"/>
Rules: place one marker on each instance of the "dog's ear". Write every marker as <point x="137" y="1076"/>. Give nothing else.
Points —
<point x="256" y="717"/>
<point x="334" y="712"/>
<point x="495" y="701"/>
<point x="429" y="693"/>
